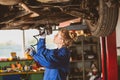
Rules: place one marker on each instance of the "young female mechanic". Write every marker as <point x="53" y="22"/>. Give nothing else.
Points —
<point x="55" y="61"/>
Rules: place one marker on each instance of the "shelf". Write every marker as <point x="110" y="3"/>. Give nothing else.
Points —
<point x="70" y="77"/>
<point x="16" y="60"/>
<point x="84" y="52"/>
<point x="12" y="73"/>
<point x="90" y="44"/>
<point x="76" y="61"/>
<point x="82" y="60"/>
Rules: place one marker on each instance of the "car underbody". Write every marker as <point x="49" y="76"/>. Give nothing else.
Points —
<point x="99" y="15"/>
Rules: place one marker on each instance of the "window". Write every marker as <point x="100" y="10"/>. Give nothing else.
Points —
<point x="30" y="40"/>
<point x="18" y="40"/>
<point x="10" y="41"/>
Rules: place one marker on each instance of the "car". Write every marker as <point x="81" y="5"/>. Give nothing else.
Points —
<point x="100" y="16"/>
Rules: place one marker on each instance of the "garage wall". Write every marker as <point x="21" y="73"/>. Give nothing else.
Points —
<point x="118" y="43"/>
<point x="118" y="34"/>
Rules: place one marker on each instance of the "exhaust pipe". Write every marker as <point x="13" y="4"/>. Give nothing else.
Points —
<point x="9" y="2"/>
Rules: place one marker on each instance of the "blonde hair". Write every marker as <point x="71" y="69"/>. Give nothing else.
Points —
<point x="66" y="37"/>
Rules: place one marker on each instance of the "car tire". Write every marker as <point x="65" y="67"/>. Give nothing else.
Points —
<point x="107" y="20"/>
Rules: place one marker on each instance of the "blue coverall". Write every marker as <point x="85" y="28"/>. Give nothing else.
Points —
<point x="55" y="61"/>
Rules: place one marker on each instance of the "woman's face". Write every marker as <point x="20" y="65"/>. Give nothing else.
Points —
<point x="58" y="39"/>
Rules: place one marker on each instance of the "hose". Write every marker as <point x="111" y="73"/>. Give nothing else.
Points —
<point x="27" y="75"/>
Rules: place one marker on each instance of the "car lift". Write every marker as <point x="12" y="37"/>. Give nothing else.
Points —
<point x="109" y="57"/>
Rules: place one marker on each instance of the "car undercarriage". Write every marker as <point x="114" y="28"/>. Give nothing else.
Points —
<point x="99" y="15"/>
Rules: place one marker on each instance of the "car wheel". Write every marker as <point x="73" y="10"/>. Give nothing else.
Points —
<point x="107" y="20"/>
